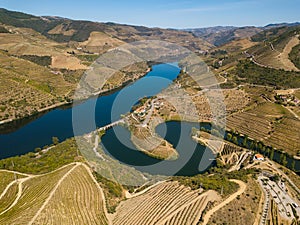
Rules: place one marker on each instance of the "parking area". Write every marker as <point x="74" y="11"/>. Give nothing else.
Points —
<point x="276" y="190"/>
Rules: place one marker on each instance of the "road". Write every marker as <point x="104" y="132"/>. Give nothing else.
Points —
<point x="291" y="111"/>
<point x="241" y="190"/>
<point x="284" y="175"/>
<point x="242" y="158"/>
<point x="149" y="114"/>
<point x="266" y="206"/>
<point x="280" y="197"/>
<point x="96" y="146"/>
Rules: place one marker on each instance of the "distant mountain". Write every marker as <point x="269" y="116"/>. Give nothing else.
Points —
<point x="275" y="25"/>
<point x="209" y="30"/>
<point x="65" y="30"/>
<point x="221" y="35"/>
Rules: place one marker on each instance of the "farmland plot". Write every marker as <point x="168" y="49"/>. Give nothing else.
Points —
<point x="34" y="192"/>
<point x="167" y="203"/>
<point x="78" y="200"/>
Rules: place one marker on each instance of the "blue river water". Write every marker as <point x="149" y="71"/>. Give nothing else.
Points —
<point x="24" y="136"/>
<point x="58" y="122"/>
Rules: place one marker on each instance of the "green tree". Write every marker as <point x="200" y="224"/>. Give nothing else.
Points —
<point x="229" y="136"/>
<point x="272" y="153"/>
<point x="235" y="140"/>
<point x="293" y="165"/>
<point x="194" y="131"/>
<point x="283" y="160"/>
<point x="245" y="142"/>
<point x="55" y="140"/>
<point x="37" y="149"/>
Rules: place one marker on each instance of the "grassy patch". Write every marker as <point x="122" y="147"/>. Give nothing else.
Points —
<point x="3" y="30"/>
<point x="87" y="58"/>
<point x="40" y="60"/>
<point x="241" y="210"/>
<point x="218" y="180"/>
<point x="62" y="154"/>
<point x="295" y="56"/>
<point x="113" y="192"/>
<point x="214" y="182"/>
<point x="249" y="72"/>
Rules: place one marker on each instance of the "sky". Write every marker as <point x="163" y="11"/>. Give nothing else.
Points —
<point x="165" y="13"/>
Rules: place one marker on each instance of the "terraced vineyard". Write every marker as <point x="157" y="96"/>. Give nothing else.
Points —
<point x="229" y="149"/>
<point x="167" y="203"/>
<point x="242" y="210"/>
<point x="33" y="194"/>
<point x="256" y="127"/>
<point x="27" y="87"/>
<point x="77" y="200"/>
<point x="8" y="197"/>
<point x="8" y="189"/>
<point x="230" y="153"/>
<point x="286" y="136"/>
<point x="66" y="196"/>
<point x="5" y="179"/>
<point x="191" y="213"/>
<point x="270" y="123"/>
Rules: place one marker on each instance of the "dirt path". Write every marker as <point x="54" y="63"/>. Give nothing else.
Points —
<point x="19" y="173"/>
<point x="212" y="197"/>
<point x="15" y="181"/>
<point x="129" y="195"/>
<point x="20" y="191"/>
<point x="7" y="187"/>
<point x="96" y="146"/>
<point x="20" y="186"/>
<point x="260" y="207"/>
<point x="109" y="218"/>
<point x="228" y="200"/>
<point x="52" y="193"/>
<point x="274" y="166"/>
<point x="291" y="111"/>
<point x="283" y="57"/>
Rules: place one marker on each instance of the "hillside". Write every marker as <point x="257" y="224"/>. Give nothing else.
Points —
<point x="43" y="58"/>
<point x="274" y="47"/>
<point x="57" y="197"/>
<point x="65" y="30"/>
<point x="223" y="35"/>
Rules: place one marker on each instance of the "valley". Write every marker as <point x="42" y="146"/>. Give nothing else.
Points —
<point x="201" y="126"/>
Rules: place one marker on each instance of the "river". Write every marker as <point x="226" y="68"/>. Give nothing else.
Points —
<point x="23" y="137"/>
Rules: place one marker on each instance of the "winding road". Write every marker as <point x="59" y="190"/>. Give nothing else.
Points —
<point x="241" y="190"/>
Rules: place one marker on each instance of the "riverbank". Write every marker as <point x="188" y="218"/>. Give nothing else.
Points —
<point x="58" y="105"/>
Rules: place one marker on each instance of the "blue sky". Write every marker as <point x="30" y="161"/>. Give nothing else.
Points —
<point x="166" y="13"/>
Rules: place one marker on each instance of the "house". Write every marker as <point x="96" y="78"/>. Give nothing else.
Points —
<point x="258" y="157"/>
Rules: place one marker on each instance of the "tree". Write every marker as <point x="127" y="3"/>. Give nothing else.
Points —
<point x="235" y="140"/>
<point x="229" y="136"/>
<point x="272" y="153"/>
<point x="194" y="131"/>
<point x="283" y="160"/>
<point x="55" y="140"/>
<point x="245" y="142"/>
<point x="260" y="146"/>
<point x="37" y="149"/>
<point x="293" y="165"/>
<point x="275" y="178"/>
